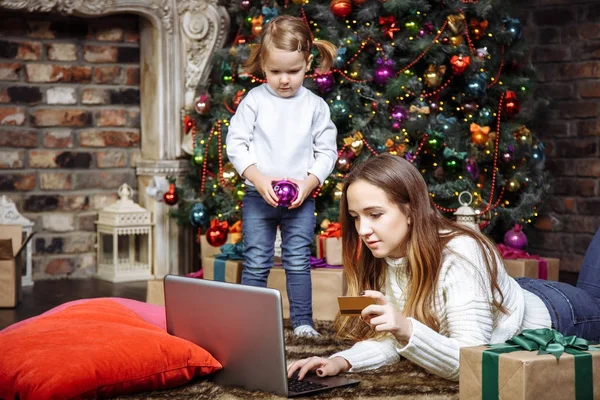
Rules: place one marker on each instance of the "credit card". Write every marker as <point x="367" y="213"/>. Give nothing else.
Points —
<point x="353" y="306"/>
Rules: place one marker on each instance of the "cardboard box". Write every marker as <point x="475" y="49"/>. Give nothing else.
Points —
<point x="206" y="250"/>
<point x="327" y="285"/>
<point x="529" y="267"/>
<point x="155" y="292"/>
<point x="11" y="245"/>
<point x="525" y="375"/>
<point x="330" y="249"/>
<point x="222" y="269"/>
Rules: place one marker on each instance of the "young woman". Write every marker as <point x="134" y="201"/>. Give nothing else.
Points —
<point x="439" y="285"/>
<point x="280" y="130"/>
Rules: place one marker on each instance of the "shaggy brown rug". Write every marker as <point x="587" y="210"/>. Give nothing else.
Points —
<point x="403" y="380"/>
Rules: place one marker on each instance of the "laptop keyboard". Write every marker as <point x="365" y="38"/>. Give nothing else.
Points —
<point x="294" y="385"/>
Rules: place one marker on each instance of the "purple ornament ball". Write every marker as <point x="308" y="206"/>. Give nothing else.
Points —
<point x="472" y="168"/>
<point x="399" y="113"/>
<point x="285" y="191"/>
<point x="382" y="74"/>
<point x="515" y="238"/>
<point x="324" y="82"/>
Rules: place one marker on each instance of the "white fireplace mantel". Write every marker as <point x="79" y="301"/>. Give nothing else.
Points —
<point x="177" y="38"/>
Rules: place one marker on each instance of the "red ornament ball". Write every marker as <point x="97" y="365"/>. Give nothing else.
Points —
<point x="216" y="236"/>
<point x="344" y="162"/>
<point x="170" y="197"/>
<point x="460" y="63"/>
<point x="341" y="8"/>
<point x="511" y="104"/>
<point x="202" y="104"/>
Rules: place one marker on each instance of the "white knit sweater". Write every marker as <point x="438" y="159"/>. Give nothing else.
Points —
<point x="284" y="137"/>
<point x="463" y="298"/>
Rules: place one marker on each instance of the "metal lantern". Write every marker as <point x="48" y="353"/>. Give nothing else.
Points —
<point x="9" y="215"/>
<point x="465" y="214"/>
<point x="124" y="240"/>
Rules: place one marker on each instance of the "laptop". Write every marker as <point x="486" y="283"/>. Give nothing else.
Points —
<point x="242" y="327"/>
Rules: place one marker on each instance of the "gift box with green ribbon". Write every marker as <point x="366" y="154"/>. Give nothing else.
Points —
<point x="206" y="250"/>
<point x="225" y="266"/>
<point x="536" y="364"/>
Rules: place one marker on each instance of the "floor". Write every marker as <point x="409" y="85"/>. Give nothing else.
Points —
<point x="44" y="295"/>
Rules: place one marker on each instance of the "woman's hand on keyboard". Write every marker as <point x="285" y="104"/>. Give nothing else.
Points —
<point x="321" y="366"/>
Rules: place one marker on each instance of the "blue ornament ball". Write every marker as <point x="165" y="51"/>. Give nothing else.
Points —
<point x="486" y="115"/>
<point x="198" y="215"/>
<point x="537" y="153"/>
<point x="477" y="87"/>
<point x="513" y="25"/>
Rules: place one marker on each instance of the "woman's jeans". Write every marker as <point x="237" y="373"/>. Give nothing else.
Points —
<point x="297" y="234"/>
<point x="573" y="310"/>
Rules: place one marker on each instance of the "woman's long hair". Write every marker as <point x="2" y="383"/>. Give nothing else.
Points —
<point x="289" y="33"/>
<point x="428" y="234"/>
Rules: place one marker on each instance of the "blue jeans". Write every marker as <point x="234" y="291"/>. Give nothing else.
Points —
<point x="297" y="234"/>
<point x="574" y="310"/>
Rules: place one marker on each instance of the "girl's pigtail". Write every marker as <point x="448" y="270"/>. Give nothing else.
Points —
<point x="327" y="54"/>
<point x="252" y="65"/>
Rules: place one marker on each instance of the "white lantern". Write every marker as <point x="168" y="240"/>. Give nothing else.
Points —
<point x="9" y="215"/>
<point x="124" y="246"/>
<point x="464" y="214"/>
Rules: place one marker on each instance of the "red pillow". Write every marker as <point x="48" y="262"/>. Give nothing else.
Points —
<point x="95" y="349"/>
<point x="151" y="313"/>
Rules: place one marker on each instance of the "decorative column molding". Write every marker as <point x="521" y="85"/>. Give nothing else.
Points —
<point x="204" y="29"/>
<point x="173" y="244"/>
<point x="177" y="38"/>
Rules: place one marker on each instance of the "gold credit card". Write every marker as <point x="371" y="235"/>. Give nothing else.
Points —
<point x="353" y="306"/>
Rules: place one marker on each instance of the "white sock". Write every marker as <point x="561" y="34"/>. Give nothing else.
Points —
<point x="306" y="330"/>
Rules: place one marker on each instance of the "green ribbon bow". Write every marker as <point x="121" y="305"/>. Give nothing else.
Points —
<point x="461" y="155"/>
<point x="545" y="341"/>
<point x="228" y="252"/>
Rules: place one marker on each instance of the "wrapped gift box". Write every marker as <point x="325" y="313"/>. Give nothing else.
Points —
<point x="525" y="375"/>
<point x="327" y="285"/>
<point x="155" y="292"/>
<point x="11" y="246"/>
<point x="531" y="268"/>
<point x="206" y="250"/>
<point x="329" y="248"/>
<point x="223" y="270"/>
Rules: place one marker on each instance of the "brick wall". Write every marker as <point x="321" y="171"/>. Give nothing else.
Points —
<point x="564" y="41"/>
<point x="69" y="128"/>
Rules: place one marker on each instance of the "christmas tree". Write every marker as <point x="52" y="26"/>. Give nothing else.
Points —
<point x="439" y="83"/>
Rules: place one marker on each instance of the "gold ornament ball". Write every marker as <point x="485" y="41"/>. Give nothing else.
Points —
<point x="513" y="185"/>
<point x="230" y="174"/>
<point x="325" y="223"/>
<point x="357" y="146"/>
<point x="456" y="23"/>
<point x="523" y="136"/>
<point x="456" y="40"/>
<point x="432" y="79"/>
<point x="257" y="25"/>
